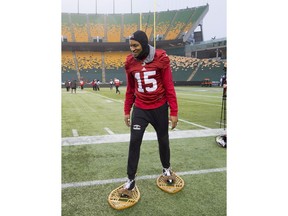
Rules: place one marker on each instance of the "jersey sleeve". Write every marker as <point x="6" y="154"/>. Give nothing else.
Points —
<point x="167" y="80"/>
<point x="130" y="90"/>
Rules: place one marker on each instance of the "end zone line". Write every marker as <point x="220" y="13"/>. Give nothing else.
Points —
<point x="118" y="180"/>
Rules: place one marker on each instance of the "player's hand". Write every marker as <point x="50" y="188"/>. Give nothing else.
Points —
<point x="127" y="120"/>
<point x="173" y="120"/>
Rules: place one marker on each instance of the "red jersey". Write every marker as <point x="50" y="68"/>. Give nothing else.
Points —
<point x="117" y="82"/>
<point x="150" y="85"/>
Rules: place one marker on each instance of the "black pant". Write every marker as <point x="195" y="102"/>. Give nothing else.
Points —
<point x="117" y="89"/>
<point x="158" y="118"/>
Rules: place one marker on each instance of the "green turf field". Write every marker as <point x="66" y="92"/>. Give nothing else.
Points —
<point x="90" y="171"/>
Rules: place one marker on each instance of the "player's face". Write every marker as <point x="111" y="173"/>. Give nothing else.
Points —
<point x="135" y="47"/>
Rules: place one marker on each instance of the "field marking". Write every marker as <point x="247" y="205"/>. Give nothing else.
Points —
<point x="198" y="95"/>
<point x="75" y="133"/>
<point x="193" y="124"/>
<point x="210" y="104"/>
<point x="118" y="180"/>
<point x="176" y="129"/>
<point x="115" y="138"/>
<point x="108" y="98"/>
<point x="221" y="123"/>
<point x="109" y="131"/>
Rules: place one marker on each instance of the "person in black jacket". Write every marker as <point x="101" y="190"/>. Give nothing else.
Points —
<point x="73" y="86"/>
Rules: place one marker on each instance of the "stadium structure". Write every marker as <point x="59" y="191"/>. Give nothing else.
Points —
<point x="95" y="46"/>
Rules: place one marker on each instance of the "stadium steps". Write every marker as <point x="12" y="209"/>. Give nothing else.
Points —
<point x="208" y="70"/>
<point x="88" y="30"/>
<point x="71" y="29"/>
<point x="197" y="18"/>
<point x="170" y="26"/>
<point x="122" y="38"/>
<point x="131" y="23"/>
<point x="103" y="67"/>
<point x="105" y="29"/>
<point x="185" y="26"/>
<point x="76" y="65"/>
<point x="147" y="23"/>
<point x="194" y="72"/>
<point x="151" y="37"/>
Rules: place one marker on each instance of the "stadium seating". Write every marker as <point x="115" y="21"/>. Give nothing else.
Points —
<point x="178" y="23"/>
<point x="114" y="28"/>
<point x="115" y="60"/>
<point x="104" y="66"/>
<point x="210" y="68"/>
<point x="77" y="27"/>
<point x="65" y="30"/>
<point x="68" y="66"/>
<point x="182" y="67"/>
<point x="80" y="27"/>
<point x="96" y="24"/>
<point x="67" y="60"/>
<point x="90" y="66"/>
<point x="131" y="24"/>
<point x="164" y="21"/>
<point x="148" y="24"/>
<point x="88" y="60"/>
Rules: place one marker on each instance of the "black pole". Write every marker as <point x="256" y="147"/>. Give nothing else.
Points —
<point x="223" y="110"/>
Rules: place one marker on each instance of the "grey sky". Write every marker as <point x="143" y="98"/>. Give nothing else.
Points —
<point x="214" y="23"/>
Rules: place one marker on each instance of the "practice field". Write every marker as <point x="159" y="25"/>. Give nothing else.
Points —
<point x="95" y="143"/>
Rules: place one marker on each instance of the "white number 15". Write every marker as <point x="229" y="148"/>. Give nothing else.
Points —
<point x="147" y="80"/>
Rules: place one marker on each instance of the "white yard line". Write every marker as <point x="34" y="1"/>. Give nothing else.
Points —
<point x="220" y="123"/>
<point x="114" y="138"/>
<point x="119" y="180"/>
<point x="198" y="95"/>
<point x="109" y="99"/>
<point x="175" y="129"/>
<point x="75" y="133"/>
<point x="193" y="124"/>
<point x="210" y="104"/>
<point x="109" y="131"/>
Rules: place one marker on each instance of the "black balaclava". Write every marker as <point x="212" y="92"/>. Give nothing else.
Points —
<point x="142" y="38"/>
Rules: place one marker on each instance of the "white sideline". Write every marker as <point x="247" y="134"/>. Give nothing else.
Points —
<point x="118" y="180"/>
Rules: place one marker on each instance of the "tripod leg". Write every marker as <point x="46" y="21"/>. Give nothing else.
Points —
<point x="224" y="110"/>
